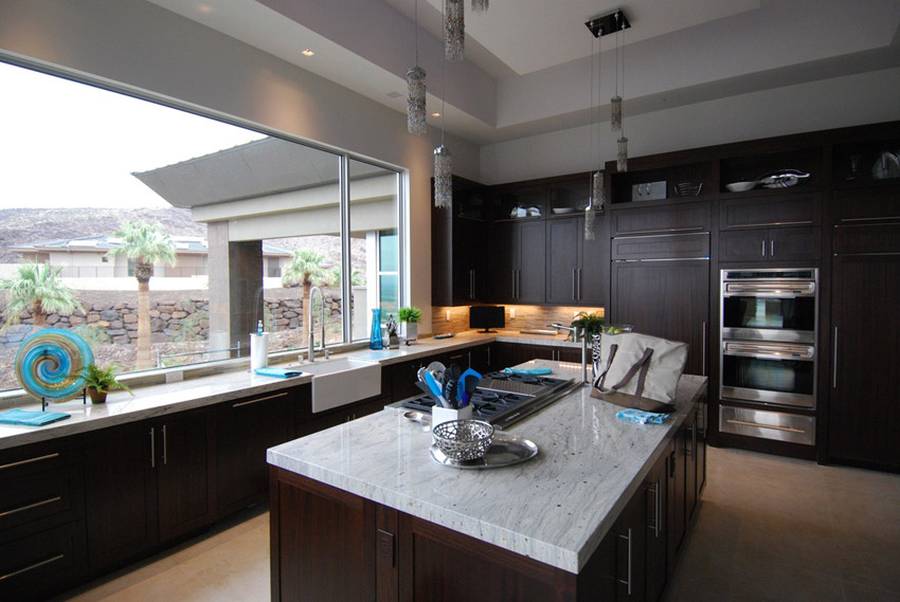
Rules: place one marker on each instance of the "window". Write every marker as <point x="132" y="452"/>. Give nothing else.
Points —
<point x="374" y="226"/>
<point x="203" y="197"/>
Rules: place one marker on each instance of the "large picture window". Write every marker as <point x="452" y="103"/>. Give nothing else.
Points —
<point x="163" y="237"/>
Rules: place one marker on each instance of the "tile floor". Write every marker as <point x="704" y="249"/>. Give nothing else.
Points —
<point x="769" y="529"/>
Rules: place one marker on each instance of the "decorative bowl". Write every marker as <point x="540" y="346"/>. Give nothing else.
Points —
<point x="463" y="440"/>
<point x="740" y="186"/>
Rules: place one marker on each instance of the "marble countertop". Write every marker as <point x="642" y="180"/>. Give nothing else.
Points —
<point x="161" y="399"/>
<point x="555" y="508"/>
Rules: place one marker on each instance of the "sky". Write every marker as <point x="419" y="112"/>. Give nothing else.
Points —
<point x="67" y="144"/>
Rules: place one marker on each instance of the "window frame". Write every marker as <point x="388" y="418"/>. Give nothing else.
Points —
<point x="402" y="183"/>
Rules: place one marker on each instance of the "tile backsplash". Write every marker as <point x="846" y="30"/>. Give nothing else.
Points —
<point x="518" y="317"/>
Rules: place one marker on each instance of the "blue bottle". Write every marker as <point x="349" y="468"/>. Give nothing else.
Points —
<point x="375" y="341"/>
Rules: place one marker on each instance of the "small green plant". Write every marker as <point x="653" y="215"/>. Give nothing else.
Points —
<point x="104" y="379"/>
<point x="409" y="315"/>
<point x="590" y="322"/>
<point x="92" y="334"/>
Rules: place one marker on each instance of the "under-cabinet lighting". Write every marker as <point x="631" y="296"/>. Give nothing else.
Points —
<point x="307" y="52"/>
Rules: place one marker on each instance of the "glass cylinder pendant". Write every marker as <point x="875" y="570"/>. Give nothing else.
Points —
<point x="415" y="102"/>
<point x="622" y="155"/>
<point x="454" y="30"/>
<point x="615" y="118"/>
<point x="443" y="177"/>
<point x="480" y="6"/>
<point x="598" y="192"/>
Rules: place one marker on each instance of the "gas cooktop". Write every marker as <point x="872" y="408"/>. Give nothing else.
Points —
<point x="503" y="399"/>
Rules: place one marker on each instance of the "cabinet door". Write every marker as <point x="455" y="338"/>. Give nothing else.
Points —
<point x="744" y="245"/>
<point x="790" y="244"/>
<point x="594" y="268"/>
<point x="564" y="238"/>
<point x="631" y="550"/>
<point x="631" y="218"/>
<point x="864" y="410"/>
<point x="504" y="262"/>
<point x="790" y="209"/>
<point x="532" y="262"/>
<point x="480" y="359"/>
<point x="120" y="488"/>
<point x="655" y="489"/>
<point x="245" y="429"/>
<point x="675" y="503"/>
<point x="688" y="437"/>
<point x="668" y="299"/>
<point x="469" y="261"/>
<point x="184" y="475"/>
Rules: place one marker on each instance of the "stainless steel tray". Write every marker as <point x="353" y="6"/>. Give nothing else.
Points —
<point x="505" y="451"/>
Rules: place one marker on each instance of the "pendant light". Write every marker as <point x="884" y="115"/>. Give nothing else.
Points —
<point x="415" y="81"/>
<point x="597" y="192"/>
<point x="622" y="143"/>
<point x="454" y="30"/>
<point x="480" y="6"/>
<point x="443" y="160"/>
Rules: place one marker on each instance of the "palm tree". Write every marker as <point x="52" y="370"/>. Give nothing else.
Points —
<point x="305" y="268"/>
<point x="37" y="287"/>
<point x="146" y="244"/>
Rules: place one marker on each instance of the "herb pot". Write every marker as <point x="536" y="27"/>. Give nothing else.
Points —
<point x="97" y="396"/>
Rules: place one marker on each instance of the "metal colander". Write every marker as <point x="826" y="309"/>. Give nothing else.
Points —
<point x="463" y="440"/>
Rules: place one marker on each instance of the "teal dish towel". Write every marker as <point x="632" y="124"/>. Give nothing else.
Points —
<point x="278" y="372"/>
<point x="528" y="371"/>
<point x="30" y="417"/>
<point x="641" y="417"/>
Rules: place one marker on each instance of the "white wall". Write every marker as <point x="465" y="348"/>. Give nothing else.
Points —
<point x="144" y="46"/>
<point x="843" y="101"/>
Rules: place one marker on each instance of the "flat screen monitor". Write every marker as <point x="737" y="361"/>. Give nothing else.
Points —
<point x="487" y="317"/>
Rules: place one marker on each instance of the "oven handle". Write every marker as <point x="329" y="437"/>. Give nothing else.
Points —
<point x="767" y="353"/>
<point x="776" y="290"/>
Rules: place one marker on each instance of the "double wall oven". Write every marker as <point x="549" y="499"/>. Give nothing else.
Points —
<point x="769" y="356"/>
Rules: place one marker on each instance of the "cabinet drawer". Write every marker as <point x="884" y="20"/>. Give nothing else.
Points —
<point x="765" y="424"/>
<point x="56" y="493"/>
<point x="874" y="239"/>
<point x="680" y="217"/>
<point x="45" y="562"/>
<point x="871" y="205"/>
<point x="783" y="211"/>
<point x="773" y="244"/>
<point x="662" y="246"/>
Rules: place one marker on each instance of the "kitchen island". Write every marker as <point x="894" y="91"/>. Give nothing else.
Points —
<point x="360" y="511"/>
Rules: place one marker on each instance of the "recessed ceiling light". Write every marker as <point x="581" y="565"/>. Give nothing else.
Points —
<point x="203" y="7"/>
<point x="435" y="114"/>
<point x="307" y="52"/>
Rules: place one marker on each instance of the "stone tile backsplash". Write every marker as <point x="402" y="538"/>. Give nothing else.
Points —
<point x="518" y="317"/>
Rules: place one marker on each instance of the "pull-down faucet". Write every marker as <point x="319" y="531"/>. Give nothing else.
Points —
<point x="310" y="330"/>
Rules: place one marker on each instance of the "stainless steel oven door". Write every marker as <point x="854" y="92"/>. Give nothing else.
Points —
<point x="769" y="372"/>
<point x="769" y="305"/>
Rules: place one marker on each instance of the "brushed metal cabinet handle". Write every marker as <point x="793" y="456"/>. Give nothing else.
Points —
<point x="152" y="447"/>
<point x="49" y="500"/>
<point x="165" y="446"/>
<point x="241" y="404"/>
<point x="703" y="347"/>
<point x="627" y="582"/>
<point x="29" y="461"/>
<point x="834" y="359"/>
<point x="574" y="284"/>
<point x="772" y="247"/>
<point x="658" y="508"/>
<point x="31" y="567"/>
<point x="763" y="241"/>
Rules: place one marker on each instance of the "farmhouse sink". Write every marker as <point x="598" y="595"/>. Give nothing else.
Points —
<point x="337" y="382"/>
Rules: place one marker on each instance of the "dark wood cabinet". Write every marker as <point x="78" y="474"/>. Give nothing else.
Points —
<point x="459" y="241"/>
<point x="532" y="262"/>
<point x="787" y="209"/>
<point x="245" y="429"/>
<point x="564" y="256"/>
<point x="864" y="413"/>
<point x="185" y="485"/>
<point x="668" y="299"/>
<point x="670" y="218"/>
<point x="656" y="532"/>
<point x="661" y="246"/>
<point x="34" y="567"/>
<point x="121" y="493"/>
<point x="504" y="263"/>
<point x="773" y="244"/>
<point x="481" y="359"/>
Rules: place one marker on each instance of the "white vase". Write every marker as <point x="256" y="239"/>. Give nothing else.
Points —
<point x="410" y="332"/>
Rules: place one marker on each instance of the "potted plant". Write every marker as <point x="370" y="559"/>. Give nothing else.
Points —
<point x="100" y="381"/>
<point x="409" y="317"/>
<point x="589" y="323"/>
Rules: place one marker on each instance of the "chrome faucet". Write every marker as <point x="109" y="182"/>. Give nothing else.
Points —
<point x="310" y="330"/>
<point x="585" y="352"/>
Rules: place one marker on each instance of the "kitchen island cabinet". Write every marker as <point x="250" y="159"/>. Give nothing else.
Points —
<point x="360" y="511"/>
